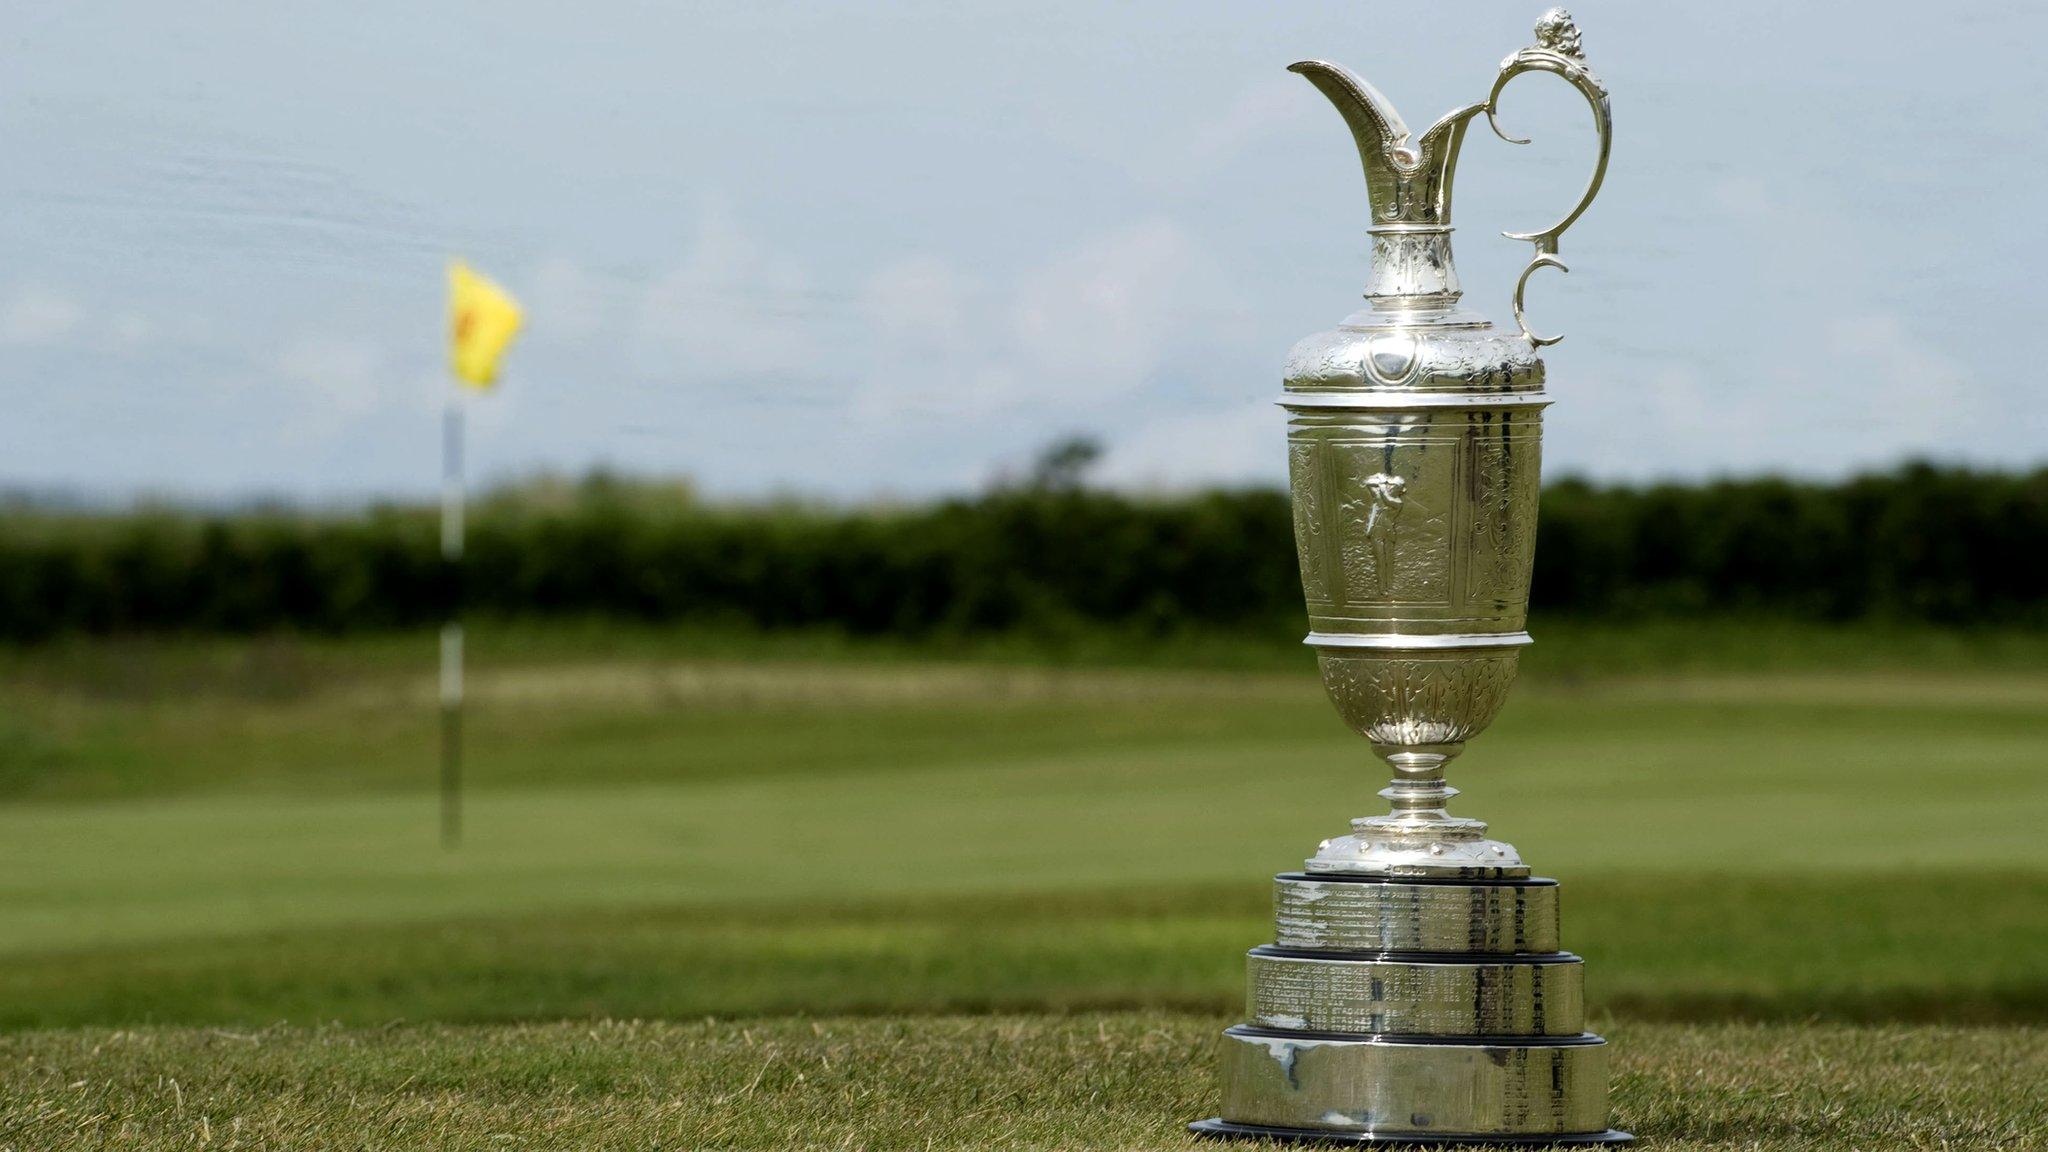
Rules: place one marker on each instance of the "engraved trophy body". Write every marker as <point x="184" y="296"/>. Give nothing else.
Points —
<point x="1415" y="992"/>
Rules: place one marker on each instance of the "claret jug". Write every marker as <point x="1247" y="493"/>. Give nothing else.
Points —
<point x="1415" y="992"/>
<point x="1414" y="449"/>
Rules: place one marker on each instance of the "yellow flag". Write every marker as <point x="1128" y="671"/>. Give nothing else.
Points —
<point x="482" y="319"/>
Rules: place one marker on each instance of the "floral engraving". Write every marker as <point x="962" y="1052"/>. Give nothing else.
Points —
<point x="1304" y="476"/>
<point x="1407" y="700"/>
<point x="1505" y="474"/>
<point x="1406" y="264"/>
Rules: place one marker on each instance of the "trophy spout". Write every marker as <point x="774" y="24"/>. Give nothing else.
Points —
<point x="1408" y="180"/>
<point x="1409" y="184"/>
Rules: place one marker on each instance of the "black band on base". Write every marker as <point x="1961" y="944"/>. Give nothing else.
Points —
<point x="1219" y="1129"/>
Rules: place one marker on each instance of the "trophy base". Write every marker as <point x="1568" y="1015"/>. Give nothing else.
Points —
<point x="1220" y="1129"/>
<point x="1414" y="1011"/>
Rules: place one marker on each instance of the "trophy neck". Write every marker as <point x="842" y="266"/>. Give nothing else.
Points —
<point x="1411" y="268"/>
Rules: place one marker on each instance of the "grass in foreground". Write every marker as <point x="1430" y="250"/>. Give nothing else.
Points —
<point x="1117" y="1081"/>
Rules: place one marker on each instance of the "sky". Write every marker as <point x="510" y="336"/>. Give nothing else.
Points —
<point x="891" y="249"/>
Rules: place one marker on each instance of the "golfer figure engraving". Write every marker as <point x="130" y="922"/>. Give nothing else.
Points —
<point x="1415" y="993"/>
<point x="1379" y="523"/>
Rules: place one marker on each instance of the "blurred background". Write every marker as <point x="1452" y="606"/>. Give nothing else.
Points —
<point x="881" y="588"/>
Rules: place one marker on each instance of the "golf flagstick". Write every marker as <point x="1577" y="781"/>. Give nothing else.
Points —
<point x="482" y="319"/>
<point x="451" y="623"/>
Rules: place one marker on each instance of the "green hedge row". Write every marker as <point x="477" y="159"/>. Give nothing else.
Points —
<point x="1920" y="543"/>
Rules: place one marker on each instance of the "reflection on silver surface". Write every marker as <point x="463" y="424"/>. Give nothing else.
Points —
<point x="1536" y="1087"/>
<point x="1538" y="996"/>
<point x="1345" y="916"/>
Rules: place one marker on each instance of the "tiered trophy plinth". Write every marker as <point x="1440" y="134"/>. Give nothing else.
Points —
<point x="1415" y="1010"/>
<point x="1414" y="993"/>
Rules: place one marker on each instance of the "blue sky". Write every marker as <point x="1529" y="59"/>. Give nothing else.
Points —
<point x="889" y="249"/>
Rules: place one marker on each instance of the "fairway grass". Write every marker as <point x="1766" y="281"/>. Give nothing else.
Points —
<point x="192" y="812"/>
<point x="207" y="833"/>
<point x="917" y="902"/>
<point x="1934" y="948"/>
<point x="1067" y="1083"/>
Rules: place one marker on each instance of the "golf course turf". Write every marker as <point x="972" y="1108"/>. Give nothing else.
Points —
<point x="727" y="892"/>
<point x="1087" y="1081"/>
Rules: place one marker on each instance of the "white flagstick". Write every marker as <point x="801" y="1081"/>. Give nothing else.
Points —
<point x="451" y="626"/>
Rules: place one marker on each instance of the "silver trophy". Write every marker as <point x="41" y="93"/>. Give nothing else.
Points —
<point x="1415" y="992"/>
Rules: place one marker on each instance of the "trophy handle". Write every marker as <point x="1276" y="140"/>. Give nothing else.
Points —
<point x="1557" y="51"/>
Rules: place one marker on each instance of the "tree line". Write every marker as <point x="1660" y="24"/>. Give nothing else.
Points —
<point x="1920" y="543"/>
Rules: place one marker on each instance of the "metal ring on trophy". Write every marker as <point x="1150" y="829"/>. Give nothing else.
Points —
<point x="1413" y="401"/>
<point x="1400" y="995"/>
<point x="1344" y="914"/>
<point x="1409" y="642"/>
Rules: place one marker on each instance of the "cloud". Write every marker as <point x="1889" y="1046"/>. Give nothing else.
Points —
<point x="1866" y="392"/>
<point x="918" y="302"/>
<point x="1257" y="114"/>
<point x="1096" y="322"/>
<point x="1910" y="394"/>
<point x="1079" y="333"/>
<point x="1239" y="444"/>
<point x="1654" y="419"/>
<point x="734" y="306"/>
<point x="565" y="300"/>
<point x="347" y="377"/>
<point x="1747" y="198"/>
<point x="130" y="331"/>
<point x="930" y="366"/>
<point x="32" y="315"/>
<point x="931" y="347"/>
